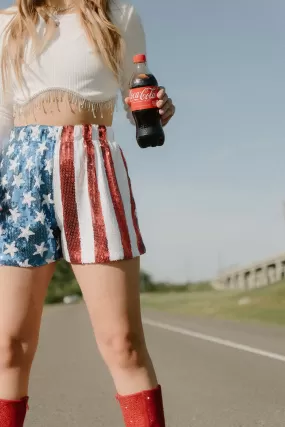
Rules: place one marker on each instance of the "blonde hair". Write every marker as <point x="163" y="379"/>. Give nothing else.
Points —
<point x="95" y="17"/>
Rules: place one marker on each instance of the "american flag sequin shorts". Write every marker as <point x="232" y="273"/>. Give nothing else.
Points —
<point x="66" y="193"/>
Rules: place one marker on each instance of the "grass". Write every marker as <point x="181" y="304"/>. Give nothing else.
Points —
<point x="264" y="304"/>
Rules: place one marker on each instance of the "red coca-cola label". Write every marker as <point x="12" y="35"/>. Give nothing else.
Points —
<point x="143" y="98"/>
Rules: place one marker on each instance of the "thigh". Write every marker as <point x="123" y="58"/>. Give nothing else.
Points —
<point x="22" y="295"/>
<point x="112" y="295"/>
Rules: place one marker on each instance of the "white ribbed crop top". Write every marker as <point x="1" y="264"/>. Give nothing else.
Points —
<point x="68" y="65"/>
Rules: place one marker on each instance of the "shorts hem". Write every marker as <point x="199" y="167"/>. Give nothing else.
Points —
<point x="22" y="265"/>
<point x="107" y="260"/>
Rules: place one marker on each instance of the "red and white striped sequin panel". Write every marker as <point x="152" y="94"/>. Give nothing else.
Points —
<point x="94" y="203"/>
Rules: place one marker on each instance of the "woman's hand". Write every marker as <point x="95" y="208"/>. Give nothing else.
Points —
<point x="164" y="104"/>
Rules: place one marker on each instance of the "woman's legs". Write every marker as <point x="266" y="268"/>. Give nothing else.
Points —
<point x="22" y="294"/>
<point x="111" y="293"/>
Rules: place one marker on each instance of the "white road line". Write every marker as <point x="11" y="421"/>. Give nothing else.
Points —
<point x="215" y="340"/>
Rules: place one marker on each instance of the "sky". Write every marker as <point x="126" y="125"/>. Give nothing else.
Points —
<point x="213" y="196"/>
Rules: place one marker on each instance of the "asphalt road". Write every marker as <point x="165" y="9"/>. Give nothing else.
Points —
<point x="214" y="373"/>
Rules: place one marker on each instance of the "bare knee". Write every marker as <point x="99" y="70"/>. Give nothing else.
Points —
<point x="123" y="350"/>
<point x="16" y="352"/>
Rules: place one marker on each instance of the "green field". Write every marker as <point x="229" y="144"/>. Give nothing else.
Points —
<point x="264" y="304"/>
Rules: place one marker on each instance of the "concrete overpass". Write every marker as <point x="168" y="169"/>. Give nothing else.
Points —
<point x="259" y="274"/>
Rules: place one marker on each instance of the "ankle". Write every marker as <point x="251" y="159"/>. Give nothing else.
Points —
<point x="135" y="378"/>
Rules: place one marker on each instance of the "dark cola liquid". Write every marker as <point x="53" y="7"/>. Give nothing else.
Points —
<point x="149" y="131"/>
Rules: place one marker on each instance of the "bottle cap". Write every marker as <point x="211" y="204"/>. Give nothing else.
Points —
<point x="139" y="58"/>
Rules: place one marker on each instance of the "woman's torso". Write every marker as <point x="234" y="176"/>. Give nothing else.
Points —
<point x="68" y="83"/>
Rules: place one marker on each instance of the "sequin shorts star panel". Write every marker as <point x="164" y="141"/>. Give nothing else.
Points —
<point x="66" y="193"/>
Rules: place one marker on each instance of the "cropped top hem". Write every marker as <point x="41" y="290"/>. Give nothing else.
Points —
<point x="58" y="95"/>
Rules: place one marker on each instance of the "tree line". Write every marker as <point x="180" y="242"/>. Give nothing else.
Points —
<point x="64" y="283"/>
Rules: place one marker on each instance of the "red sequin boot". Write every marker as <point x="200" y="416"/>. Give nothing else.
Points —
<point x="13" y="412"/>
<point x="144" y="409"/>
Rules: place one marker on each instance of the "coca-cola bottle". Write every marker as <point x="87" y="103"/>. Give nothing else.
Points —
<point x="143" y="99"/>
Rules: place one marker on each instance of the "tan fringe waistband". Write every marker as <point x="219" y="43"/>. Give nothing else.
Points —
<point x="55" y="95"/>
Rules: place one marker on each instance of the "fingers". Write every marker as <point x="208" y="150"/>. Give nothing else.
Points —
<point x="165" y="106"/>
<point x="165" y="120"/>
<point x="163" y="103"/>
<point x="169" y="113"/>
<point x="161" y="93"/>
